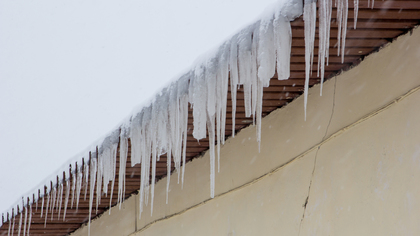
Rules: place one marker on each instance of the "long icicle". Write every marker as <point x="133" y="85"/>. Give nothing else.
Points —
<point x="42" y="205"/>
<point x="309" y="16"/>
<point x="93" y="169"/>
<point x="10" y="224"/>
<point x="114" y="161"/>
<point x="30" y="219"/>
<point x="123" y="160"/>
<point x="324" y="37"/>
<point x="20" y="221"/>
<point x="60" y="202"/>
<point x="46" y="209"/>
<point x="73" y="186"/>
<point x="26" y="220"/>
<point x="13" y="226"/>
<point x="67" y="198"/>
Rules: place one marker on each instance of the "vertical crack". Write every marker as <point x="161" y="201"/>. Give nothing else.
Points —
<point x="316" y="155"/>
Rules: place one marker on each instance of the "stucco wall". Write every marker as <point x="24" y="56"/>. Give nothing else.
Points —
<point x="356" y="161"/>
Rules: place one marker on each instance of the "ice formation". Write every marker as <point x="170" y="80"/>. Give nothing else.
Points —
<point x="30" y="218"/>
<point x="13" y="225"/>
<point x="66" y="201"/>
<point x="249" y="60"/>
<point x="78" y="179"/>
<point x="25" y="221"/>
<point x="20" y="224"/>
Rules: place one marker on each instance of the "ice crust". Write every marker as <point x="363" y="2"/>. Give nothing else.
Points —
<point x="249" y="59"/>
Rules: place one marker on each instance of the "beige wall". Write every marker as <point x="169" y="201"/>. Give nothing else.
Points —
<point x="360" y="171"/>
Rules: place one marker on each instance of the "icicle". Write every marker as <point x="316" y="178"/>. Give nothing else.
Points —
<point x="184" y="106"/>
<point x="233" y="71"/>
<point x="73" y="186"/>
<point x="46" y="210"/>
<point x="13" y="226"/>
<point x="175" y="142"/>
<point x="36" y="203"/>
<point x="254" y="70"/>
<point x="67" y="198"/>
<point x="30" y="218"/>
<point x="173" y="131"/>
<point x="168" y="175"/>
<point x="183" y="113"/>
<point x="325" y="7"/>
<point x="266" y="55"/>
<point x="219" y="89"/>
<point x="259" y="112"/>
<point x="210" y="78"/>
<point x="342" y="14"/>
<point x="99" y="173"/>
<point x="114" y="161"/>
<point x="267" y="47"/>
<point x="135" y="134"/>
<point x="86" y="180"/>
<point x="42" y="206"/>
<point x="79" y="179"/>
<point x="339" y="21"/>
<point x="344" y="28"/>
<point x="107" y="170"/>
<point x="152" y="193"/>
<point x="221" y="94"/>
<point x="245" y="67"/>
<point x="61" y="200"/>
<point x="10" y="224"/>
<point x="100" y="179"/>
<point x="309" y="16"/>
<point x="147" y="134"/>
<point x="199" y="96"/>
<point x="283" y="45"/>
<point x="356" y="12"/>
<point x="26" y="220"/>
<point x="224" y="84"/>
<point x="54" y="196"/>
<point x="160" y="124"/>
<point x="93" y="169"/>
<point x="123" y="160"/>
<point x="211" y="128"/>
<point x="20" y="222"/>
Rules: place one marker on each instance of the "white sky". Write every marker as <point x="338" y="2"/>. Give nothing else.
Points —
<point x="71" y="71"/>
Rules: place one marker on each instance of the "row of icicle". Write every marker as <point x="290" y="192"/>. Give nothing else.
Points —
<point x="249" y="59"/>
<point x="324" y="16"/>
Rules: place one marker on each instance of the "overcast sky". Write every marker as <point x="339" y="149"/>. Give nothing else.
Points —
<point x="71" y="71"/>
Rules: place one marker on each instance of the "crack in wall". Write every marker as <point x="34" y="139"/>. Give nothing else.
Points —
<point x="316" y="155"/>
